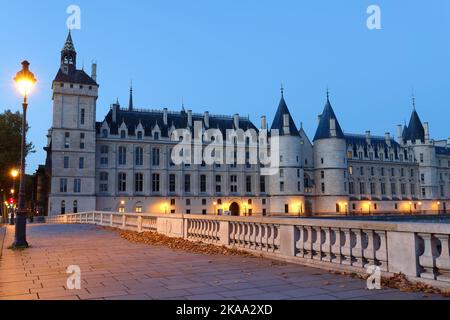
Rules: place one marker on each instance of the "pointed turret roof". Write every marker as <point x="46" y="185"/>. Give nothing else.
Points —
<point x="68" y="45"/>
<point x="415" y="130"/>
<point x="277" y="123"/>
<point x="323" y="130"/>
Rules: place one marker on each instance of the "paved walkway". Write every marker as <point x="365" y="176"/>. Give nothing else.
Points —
<point x="113" y="268"/>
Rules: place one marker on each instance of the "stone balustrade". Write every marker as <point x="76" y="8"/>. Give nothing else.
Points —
<point x="418" y="250"/>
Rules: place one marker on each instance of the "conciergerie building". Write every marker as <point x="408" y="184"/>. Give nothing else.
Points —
<point x="124" y="162"/>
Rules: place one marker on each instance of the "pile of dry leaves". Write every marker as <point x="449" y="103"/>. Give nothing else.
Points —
<point x="400" y="281"/>
<point x="153" y="238"/>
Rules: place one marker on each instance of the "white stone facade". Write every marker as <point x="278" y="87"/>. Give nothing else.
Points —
<point x="123" y="163"/>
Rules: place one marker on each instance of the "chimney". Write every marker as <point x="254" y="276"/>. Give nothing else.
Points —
<point x="115" y="108"/>
<point x="206" y="119"/>
<point x="94" y="71"/>
<point x="165" y="114"/>
<point x="236" y="120"/>
<point x="388" y="139"/>
<point x="333" y="127"/>
<point x="399" y="133"/>
<point x="189" y="118"/>
<point x="426" y="127"/>
<point x="368" y="137"/>
<point x="286" y="126"/>
<point x="263" y="123"/>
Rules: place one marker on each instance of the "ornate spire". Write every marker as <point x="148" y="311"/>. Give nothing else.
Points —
<point x="68" y="45"/>
<point x="68" y="56"/>
<point x="130" y="103"/>
<point x="328" y="94"/>
<point x="282" y="90"/>
<point x="413" y="101"/>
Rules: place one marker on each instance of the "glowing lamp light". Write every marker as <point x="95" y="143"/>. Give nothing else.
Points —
<point x="25" y="79"/>
<point x="14" y="173"/>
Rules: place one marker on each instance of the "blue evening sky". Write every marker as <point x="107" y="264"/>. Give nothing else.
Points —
<point x="230" y="56"/>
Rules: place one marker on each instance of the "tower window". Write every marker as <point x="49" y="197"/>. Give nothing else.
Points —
<point x="82" y="116"/>
<point x="67" y="140"/>
<point x="155" y="182"/>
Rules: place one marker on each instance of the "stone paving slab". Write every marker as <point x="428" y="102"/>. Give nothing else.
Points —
<point x="115" y="269"/>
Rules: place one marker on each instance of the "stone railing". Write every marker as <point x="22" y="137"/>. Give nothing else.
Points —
<point x="418" y="250"/>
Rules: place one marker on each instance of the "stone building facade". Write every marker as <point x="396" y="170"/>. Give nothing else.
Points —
<point x="124" y="162"/>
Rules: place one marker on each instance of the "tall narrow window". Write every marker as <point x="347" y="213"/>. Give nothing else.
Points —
<point x="63" y="185"/>
<point x="66" y="162"/>
<point x="262" y="184"/>
<point x="155" y="157"/>
<point x="187" y="183"/>
<point x="172" y="181"/>
<point x="104" y="155"/>
<point x="75" y="206"/>
<point x="138" y="182"/>
<point x="103" y="182"/>
<point x="122" y="155"/>
<point x="155" y="182"/>
<point x="248" y="184"/>
<point x="122" y="182"/>
<point x="139" y="156"/>
<point x="82" y="136"/>
<point x="82" y="116"/>
<point x="63" y="207"/>
<point x="67" y="140"/>
<point x="203" y="183"/>
<point x="81" y="163"/>
<point x="77" y="185"/>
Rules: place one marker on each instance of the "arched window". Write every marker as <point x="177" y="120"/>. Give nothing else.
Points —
<point x="105" y="133"/>
<point x="63" y="207"/>
<point x="75" y="206"/>
<point x="138" y="208"/>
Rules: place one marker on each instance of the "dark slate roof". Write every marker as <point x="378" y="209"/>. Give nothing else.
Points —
<point x="77" y="77"/>
<point x="277" y="123"/>
<point x="149" y="118"/>
<point x="323" y="130"/>
<point x="415" y="130"/>
<point x="376" y="141"/>
<point x="443" y="151"/>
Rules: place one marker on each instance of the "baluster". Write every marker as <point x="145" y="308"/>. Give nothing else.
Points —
<point x="443" y="262"/>
<point x="357" y="250"/>
<point x="326" y="246"/>
<point x="381" y="252"/>
<point x="299" y="249"/>
<point x="308" y="243"/>
<point x="316" y="243"/>
<point x="346" y="249"/>
<point x="427" y="259"/>
<point x="368" y="246"/>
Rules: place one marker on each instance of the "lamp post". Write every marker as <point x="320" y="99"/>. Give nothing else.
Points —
<point x="25" y="81"/>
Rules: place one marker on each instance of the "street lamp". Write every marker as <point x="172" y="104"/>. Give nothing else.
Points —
<point x="25" y="81"/>
<point x="215" y="207"/>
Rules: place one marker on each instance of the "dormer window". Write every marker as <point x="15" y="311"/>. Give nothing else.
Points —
<point x="71" y="85"/>
<point x="139" y="135"/>
<point x="61" y="85"/>
<point x="156" y="135"/>
<point x="105" y="133"/>
<point x="123" y="134"/>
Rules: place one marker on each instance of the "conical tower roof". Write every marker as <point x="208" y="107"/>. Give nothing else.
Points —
<point x="323" y="130"/>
